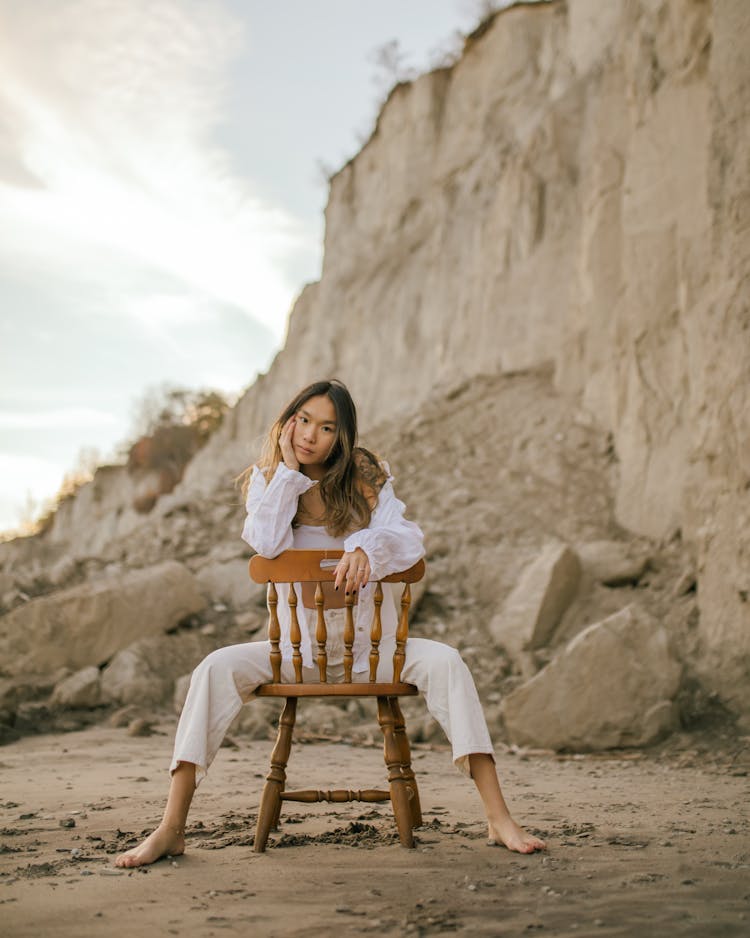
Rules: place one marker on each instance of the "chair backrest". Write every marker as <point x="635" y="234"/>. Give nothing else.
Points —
<point x="317" y="566"/>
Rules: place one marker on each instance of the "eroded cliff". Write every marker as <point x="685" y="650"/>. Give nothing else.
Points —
<point x="576" y="191"/>
<point x="573" y="194"/>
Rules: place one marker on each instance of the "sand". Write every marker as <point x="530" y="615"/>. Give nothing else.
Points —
<point x="640" y="843"/>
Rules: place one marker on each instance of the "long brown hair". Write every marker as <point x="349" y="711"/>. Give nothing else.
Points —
<point x="353" y="475"/>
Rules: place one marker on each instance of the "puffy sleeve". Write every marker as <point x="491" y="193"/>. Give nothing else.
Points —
<point x="271" y="507"/>
<point x="390" y="541"/>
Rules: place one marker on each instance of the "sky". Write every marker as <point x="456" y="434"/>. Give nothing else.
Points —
<point x="162" y="185"/>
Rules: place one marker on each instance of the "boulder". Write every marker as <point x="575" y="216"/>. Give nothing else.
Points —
<point x="535" y="606"/>
<point x="79" y="691"/>
<point x="613" y="685"/>
<point x="179" y="694"/>
<point x="88" y="624"/>
<point x="613" y="563"/>
<point x="7" y="584"/>
<point x="22" y="688"/>
<point x="145" y="672"/>
<point x="230" y="581"/>
<point x="62" y="571"/>
<point x="258" y="719"/>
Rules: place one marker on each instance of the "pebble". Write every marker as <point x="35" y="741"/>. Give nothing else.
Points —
<point x="109" y="871"/>
<point x="67" y="822"/>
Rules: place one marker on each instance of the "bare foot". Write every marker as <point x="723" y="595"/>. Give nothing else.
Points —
<point x="514" y="837"/>
<point x="164" y="841"/>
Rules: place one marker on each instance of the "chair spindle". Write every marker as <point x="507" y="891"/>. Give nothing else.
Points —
<point x="402" y="633"/>
<point x="321" y="634"/>
<point x="376" y="634"/>
<point x="295" y="634"/>
<point x="349" y="637"/>
<point x="274" y="632"/>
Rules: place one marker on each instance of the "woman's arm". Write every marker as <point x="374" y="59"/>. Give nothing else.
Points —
<point x="271" y="508"/>
<point x="390" y="542"/>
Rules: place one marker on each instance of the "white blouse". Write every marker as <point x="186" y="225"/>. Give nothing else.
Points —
<point x="390" y="541"/>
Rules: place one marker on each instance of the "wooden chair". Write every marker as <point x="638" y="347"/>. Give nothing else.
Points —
<point x="317" y="566"/>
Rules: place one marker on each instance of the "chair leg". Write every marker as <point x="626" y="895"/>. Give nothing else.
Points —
<point x="399" y="728"/>
<point x="270" y="802"/>
<point x="397" y="782"/>
<point x="276" y="819"/>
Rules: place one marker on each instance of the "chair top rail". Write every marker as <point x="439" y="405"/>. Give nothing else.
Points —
<point x="315" y="566"/>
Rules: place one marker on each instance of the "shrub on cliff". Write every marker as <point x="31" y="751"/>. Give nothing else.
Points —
<point x="174" y="424"/>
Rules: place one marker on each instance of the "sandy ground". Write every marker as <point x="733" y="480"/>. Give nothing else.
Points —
<point x="645" y="844"/>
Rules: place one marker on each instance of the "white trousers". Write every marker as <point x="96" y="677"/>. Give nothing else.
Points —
<point x="226" y="679"/>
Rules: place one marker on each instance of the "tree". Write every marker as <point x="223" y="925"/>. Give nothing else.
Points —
<point x="175" y="423"/>
<point x="391" y="67"/>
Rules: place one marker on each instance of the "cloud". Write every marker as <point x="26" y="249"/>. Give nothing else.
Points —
<point x="109" y="113"/>
<point x="57" y="419"/>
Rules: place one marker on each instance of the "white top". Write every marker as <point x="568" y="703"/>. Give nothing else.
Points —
<point x="390" y="541"/>
<point x="315" y="537"/>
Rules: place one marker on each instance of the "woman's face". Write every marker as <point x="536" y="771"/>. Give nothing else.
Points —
<point x="314" y="431"/>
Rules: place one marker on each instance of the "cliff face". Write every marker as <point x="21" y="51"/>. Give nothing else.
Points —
<point x="574" y="192"/>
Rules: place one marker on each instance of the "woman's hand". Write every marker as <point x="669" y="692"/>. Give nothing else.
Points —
<point x="353" y="570"/>
<point x="285" y="443"/>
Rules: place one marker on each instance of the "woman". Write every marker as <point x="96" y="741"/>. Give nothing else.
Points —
<point x="314" y="488"/>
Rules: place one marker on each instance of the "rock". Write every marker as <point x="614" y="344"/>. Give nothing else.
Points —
<point x="613" y="563"/>
<point x="9" y="598"/>
<point x="18" y="690"/>
<point x="7" y="585"/>
<point x="87" y="624"/>
<point x="685" y="584"/>
<point x="426" y="729"/>
<point x="258" y="719"/>
<point x="534" y="608"/>
<point x="252" y="622"/>
<point x="144" y="673"/>
<point x="417" y="592"/>
<point x="181" y="686"/>
<point x="140" y="727"/>
<point x="324" y="718"/>
<point x="62" y="571"/>
<point x="79" y="691"/>
<point x="33" y="717"/>
<point x="230" y="581"/>
<point x="613" y="685"/>
<point x="123" y="717"/>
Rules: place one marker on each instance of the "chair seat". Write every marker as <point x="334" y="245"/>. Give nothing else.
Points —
<point x="318" y="689"/>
